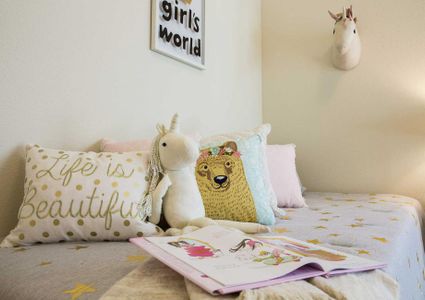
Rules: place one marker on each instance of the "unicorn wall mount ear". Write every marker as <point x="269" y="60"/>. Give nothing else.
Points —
<point x="346" y="46"/>
<point x="172" y="188"/>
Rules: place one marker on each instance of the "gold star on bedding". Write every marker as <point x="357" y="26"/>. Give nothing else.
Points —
<point x="280" y="230"/>
<point x="79" y="290"/>
<point x="45" y="263"/>
<point x="79" y="247"/>
<point x="315" y="241"/>
<point x="136" y="258"/>
<point x="380" y="239"/>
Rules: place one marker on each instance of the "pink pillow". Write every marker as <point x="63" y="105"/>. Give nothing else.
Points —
<point x="283" y="175"/>
<point x="108" y="145"/>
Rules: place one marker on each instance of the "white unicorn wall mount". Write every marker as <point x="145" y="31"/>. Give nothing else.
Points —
<point x="346" y="47"/>
<point x="173" y="189"/>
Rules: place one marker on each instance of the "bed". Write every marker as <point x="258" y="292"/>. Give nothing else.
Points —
<point x="382" y="227"/>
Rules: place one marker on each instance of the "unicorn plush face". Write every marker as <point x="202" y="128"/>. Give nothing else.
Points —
<point x="344" y="33"/>
<point x="346" y="48"/>
<point x="176" y="150"/>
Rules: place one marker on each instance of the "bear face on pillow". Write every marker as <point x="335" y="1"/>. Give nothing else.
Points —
<point x="223" y="185"/>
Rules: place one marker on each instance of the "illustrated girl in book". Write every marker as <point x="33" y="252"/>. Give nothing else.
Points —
<point x="196" y="248"/>
<point x="256" y="254"/>
<point x="276" y="257"/>
<point x="245" y="243"/>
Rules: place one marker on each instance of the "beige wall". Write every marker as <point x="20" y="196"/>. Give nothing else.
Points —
<point x="72" y="72"/>
<point x="356" y="131"/>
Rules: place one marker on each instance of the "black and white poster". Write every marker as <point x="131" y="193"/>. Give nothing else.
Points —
<point x="178" y="30"/>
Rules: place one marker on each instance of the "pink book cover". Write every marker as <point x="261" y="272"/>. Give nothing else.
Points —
<point x="223" y="261"/>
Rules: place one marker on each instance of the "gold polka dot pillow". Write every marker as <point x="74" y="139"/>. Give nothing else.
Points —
<point x="81" y="196"/>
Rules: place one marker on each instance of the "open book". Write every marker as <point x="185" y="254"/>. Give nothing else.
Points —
<point x="222" y="260"/>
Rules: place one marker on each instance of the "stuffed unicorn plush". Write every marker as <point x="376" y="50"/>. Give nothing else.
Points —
<point x="346" y="48"/>
<point x="173" y="188"/>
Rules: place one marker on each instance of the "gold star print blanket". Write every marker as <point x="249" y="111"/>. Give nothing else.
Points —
<point x="381" y="227"/>
<point x="386" y="228"/>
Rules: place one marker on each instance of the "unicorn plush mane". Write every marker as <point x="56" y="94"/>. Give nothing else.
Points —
<point x="155" y="169"/>
<point x="154" y="172"/>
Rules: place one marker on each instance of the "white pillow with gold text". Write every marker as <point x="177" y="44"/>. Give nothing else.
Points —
<point x="89" y="196"/>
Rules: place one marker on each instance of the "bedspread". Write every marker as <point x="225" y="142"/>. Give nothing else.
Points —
<point x="383" y="227"/>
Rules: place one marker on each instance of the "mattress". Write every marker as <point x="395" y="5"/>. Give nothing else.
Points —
<point x="382" y="227"/>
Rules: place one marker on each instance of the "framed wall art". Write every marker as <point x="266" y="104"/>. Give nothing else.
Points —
<point x="178" y="30"/>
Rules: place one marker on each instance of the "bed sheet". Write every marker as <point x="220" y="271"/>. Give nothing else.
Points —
<point x="383" y="227"/>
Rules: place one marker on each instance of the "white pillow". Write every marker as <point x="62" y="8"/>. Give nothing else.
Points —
<point x="81" y="196"/>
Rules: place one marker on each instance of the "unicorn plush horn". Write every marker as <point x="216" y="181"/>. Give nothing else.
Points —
<point x="174" y="126"/>
<point x="350" y="12"/>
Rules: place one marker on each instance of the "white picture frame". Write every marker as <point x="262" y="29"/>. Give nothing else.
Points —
<point x="173" y="30"/>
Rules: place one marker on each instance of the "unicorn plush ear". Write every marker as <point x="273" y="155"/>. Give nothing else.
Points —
<point x="333" y="16"/>
<point x="174" y="126"/>
<point x="161" y="129"/>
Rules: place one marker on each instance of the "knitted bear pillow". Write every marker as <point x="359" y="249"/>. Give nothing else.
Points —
<point x="81" y="196"/>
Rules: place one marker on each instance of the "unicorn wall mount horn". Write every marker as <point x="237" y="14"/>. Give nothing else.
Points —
<point x="173" y="189"/>
<point x="346" y="47"/>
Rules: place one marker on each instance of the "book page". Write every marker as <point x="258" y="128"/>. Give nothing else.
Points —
<point x="230" y="257"/>
<point x="328" y="259"/>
